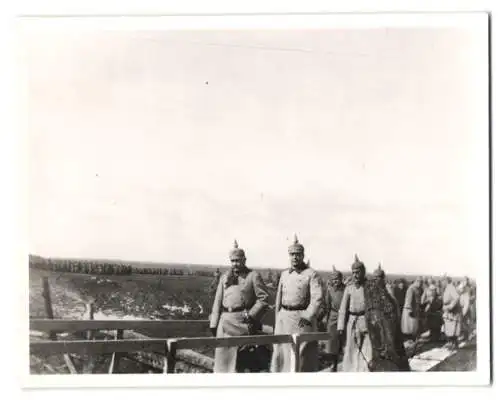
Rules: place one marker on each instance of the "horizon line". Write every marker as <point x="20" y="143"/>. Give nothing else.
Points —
<point x="228" y="266"/>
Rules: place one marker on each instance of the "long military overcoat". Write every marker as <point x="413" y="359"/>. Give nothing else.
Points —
<point x="249" y="294"/>
<point x="299" y="295"/>
<point x="411" y="311"/>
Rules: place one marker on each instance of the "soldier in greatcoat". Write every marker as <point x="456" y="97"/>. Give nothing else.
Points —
<point x="241" y="301"/>
<point x="411" y="310"/>
<point x="432" y="309"/>
<point x="380" y="278"/>
<point x="299" y="300"/>
<point x="333" y="298"/>
<point x="369" y="317"/>
<point x="452" y="314"/>
<point x="400" y="293"/>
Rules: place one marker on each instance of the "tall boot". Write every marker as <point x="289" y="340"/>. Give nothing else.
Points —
<point x="335" y="362"/>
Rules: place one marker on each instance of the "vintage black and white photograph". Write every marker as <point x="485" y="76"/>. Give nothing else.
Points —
<point x="282" y="195"/>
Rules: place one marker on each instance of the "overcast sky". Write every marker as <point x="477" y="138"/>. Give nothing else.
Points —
<point x="166" y="146"/>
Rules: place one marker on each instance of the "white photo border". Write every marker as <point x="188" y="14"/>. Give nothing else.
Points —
<point x="474" y="21"/>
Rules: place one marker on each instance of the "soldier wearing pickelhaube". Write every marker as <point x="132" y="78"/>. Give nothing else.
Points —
<point x="352" y="323"/>
<point x="410" y="318"/>
<point x="380" y="278"/>
<point x="333" y="299"/>
<point x="240" y="302"/>
<point x="452" y="314"/>
<point x="299" y="299"/>
<point x="368" y="315"/>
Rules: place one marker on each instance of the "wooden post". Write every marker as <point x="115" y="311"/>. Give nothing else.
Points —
<point x="88" y="367"/>
<point x="48" y="304"/>
<point x="89" y="314"/>
<point x="295" y="354"/>
<point x="170" y="357"/>
<point x="115" y="358"/>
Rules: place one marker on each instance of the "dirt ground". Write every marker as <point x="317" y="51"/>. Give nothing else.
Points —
<point x="463" y="360"/>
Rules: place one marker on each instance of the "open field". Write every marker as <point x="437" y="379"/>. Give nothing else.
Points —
<point x="141" y="296"/>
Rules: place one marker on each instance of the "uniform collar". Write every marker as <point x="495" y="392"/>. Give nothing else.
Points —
<point x="357" y="285"/>
<point x="299" y="269"/>
<point x="242" y="272"/>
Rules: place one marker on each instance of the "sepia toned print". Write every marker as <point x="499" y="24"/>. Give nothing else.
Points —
<point x="254" y="201"/>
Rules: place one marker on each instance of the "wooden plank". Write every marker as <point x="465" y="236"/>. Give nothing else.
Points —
<point x="195" y="358"/>
<point x="189" y="343"/>
<point x="115" y="358"/>
<point x="61" y="325"/>
<point x="49" y="347"/>
<point x="112" y="364"/>
<point x="313" y="336"/>
<point x="186" y="355"/>
<point x="69" y="364"/>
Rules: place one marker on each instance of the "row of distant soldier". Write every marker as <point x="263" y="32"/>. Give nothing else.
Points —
<point x="108" y="268"/>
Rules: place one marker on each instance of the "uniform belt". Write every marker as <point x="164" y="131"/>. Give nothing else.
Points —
<point x="293" y="308"/>
<point x="233" y="309"/>
<point x="357" y="313"/>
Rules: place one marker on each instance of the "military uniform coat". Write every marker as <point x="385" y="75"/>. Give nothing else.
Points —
<point x="452" y="313"/>
<point x="465" y="304"/>
<point x="399" y="294"/>
<point x="333" y="300"/>
<point x="411" y="311"/>
<point x="250" y="293"/>
<point x="302" y="290"/>
<point x="358" y="349"/>
<point x="432" y="315"/>
<point x="391" y="290"/>
<point x="369" y="315"/>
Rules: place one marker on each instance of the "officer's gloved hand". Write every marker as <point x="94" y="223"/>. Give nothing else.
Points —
<point x="254" y="326"/>
<point x="304" y="322"/>
<point x="213" y="331"/>
<point x="247" y="319"/>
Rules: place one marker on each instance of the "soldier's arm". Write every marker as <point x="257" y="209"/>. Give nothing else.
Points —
<point x="277" y="304"/>
<point x="455" y="298"/>
<point x="316" y="297"/>
<point x="390" y="290"/>
<point x="217" y="306"/>
<point x="464" y="303"/>
<point x="344" y="307"/>
<point x="409" y="299"/>
<point x="262" y="296"/>
<point x="326" y="308"/>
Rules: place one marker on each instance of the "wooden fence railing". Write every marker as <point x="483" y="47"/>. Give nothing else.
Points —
<point x="167" y="345"/>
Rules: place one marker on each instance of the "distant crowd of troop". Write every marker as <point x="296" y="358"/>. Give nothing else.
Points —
<point x="93" y="267"/>
<point x="371" y="321"/>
